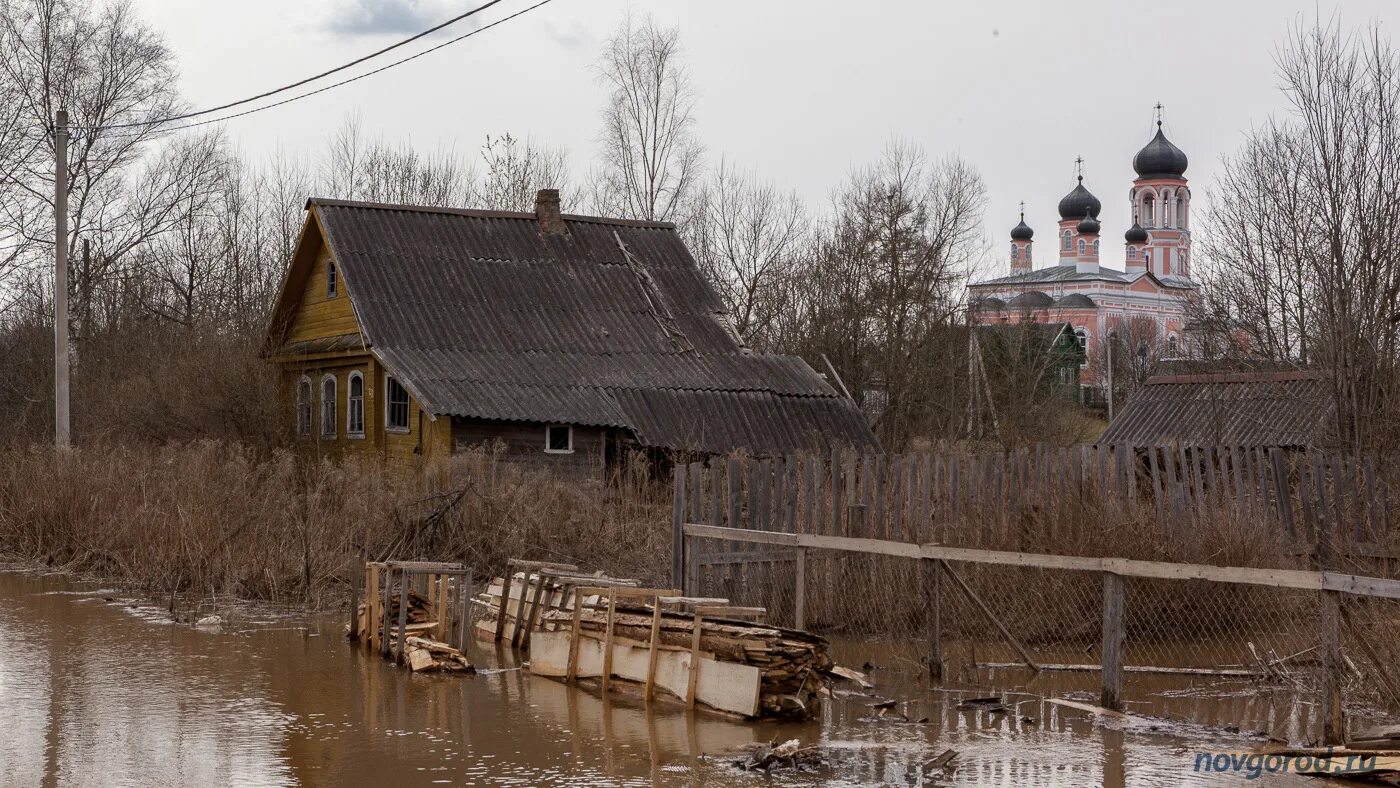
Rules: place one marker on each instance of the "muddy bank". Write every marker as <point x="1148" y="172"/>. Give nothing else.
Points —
<point x="104" y="689"/>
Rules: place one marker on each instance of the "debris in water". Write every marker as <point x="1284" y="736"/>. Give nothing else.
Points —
<point x="768" y="756"/>
<point x="942" y="764"/>
<point x="209" y="622"/>
<point x="993" y="705"/>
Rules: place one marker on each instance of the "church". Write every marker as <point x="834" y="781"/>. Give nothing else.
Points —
<point x="1142" y="302"/>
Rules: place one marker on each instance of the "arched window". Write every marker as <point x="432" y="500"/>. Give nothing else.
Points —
<point x="1096" y="247"/>
<point x="1148" y="215"/>
<point x="332" y="280"/>
<point x="1132" y="252"/>
<point x="1065" y="241"/>
<point x="328" y="406"/>
<point x="1168" y="209"/>
<point x="1081" y="246"/>
<point x="1171" y="345"/>
<point x="355" y="406"/>
<point x="304" y="406"/>
<point x="1183" y="202"/>
<point x="1015" y="252"/>
<point x="1081" y="335"/>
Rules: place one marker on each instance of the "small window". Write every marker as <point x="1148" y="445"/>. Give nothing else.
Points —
<point x="559" y="439"/>
<point x="1065" y="241"/>
<point x="395" y="406"/>
<point x="1132" y="252"/>
<point x="1015" y="252"/>
<point x="328" y="406"/>
<point x="304" y="407"/>
<point x="1081" y="336"/>
<point x="1081" y="246"/>
<point x="1096" y="246"/>
<point x="332" y="285"/>
<point x="1171" y="345"/>
<point x="355" y="406"/>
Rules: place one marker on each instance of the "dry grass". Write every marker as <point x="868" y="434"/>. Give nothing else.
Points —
<point x="219" y="519"/>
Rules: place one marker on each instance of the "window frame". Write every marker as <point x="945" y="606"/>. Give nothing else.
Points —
<point x="330" y="407"/>
<point x="306" y="410"/>
<point x="548" y="428"/>
<point x="351" y="401"/>
<point x="1081" y="337"/>
<point x="1067" y="241"/>
<point x="1083" y="245"/>
<point x="389" y="426"/>
<point x="332" y="280"/>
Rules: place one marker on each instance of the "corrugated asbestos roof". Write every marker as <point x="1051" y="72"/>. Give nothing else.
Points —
<point x="485" y="316"/>
<point x="1289" y="409"/>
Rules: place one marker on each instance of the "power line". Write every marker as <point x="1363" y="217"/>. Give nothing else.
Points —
<point x="454" y="20"/>
<point x="343" y="82"/>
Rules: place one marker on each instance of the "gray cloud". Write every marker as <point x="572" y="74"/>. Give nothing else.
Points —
<point x="368" y="17"/>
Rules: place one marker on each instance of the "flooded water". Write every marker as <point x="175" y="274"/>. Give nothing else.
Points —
<point x="101" y="690"/>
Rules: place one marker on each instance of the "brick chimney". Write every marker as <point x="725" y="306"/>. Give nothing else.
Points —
<point x="547" y="212"/>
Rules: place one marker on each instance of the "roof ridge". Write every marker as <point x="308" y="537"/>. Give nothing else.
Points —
<point x="483" y="213"/>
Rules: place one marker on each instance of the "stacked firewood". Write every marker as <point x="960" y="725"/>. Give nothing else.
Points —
<point x="791" y="662"/>
<point x="421" y="653"/>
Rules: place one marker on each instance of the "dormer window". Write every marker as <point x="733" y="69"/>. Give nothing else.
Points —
<point x="332" y="283"/>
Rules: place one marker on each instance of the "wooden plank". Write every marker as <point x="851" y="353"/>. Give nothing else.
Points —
<point x="1156" y="485"/>
<point x="388" y="582"/>
<point x="810" y="492"/>
<point x="522" y="637"/>
<point x="933" y="591"/>
<point x="1276" y="578"/>
<point x="735" y="505"/>
<point x="695" y="498"/>
<point x="987" y="612"/>
<point x="727" y="686"/>
<point x="1283" y="493"/>
<point x="716" y="492"/>
<point x="575" y="635"/>
<point x="464" y="602"/>
<point x="1098" y="710"/>
<point x="505" y="597"/>
<point x="779" y="495"/>
<point x="608" y="642"/>
<point x="924" y="531"/>
<point x="790" y="502"/>
<point x="800" y="591"/>
<point x="678" y="528"/>
<point x="1330" y="619"/>
<point x="1239" y="480"/>
<point x="694" y="672"/>
<point x="443" y="606"/>
<point x="403" y="616"/>
<point x="652" y="650"/>
<point x="1111" y="650"/>
<point x="836" y="512"/>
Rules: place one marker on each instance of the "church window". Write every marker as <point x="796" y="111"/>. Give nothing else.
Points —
<point x="1015" y="252"/>
<point x="1147" y="212"/>
<point x="1132" y="252"/>
<point x="1171" y="345"/>
<point x="1081" y="246"/>
<point x="1081" y="336"/>
<point x="1096" y="246"/>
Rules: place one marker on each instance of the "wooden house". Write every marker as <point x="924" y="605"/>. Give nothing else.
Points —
<point x="410" y="333"/>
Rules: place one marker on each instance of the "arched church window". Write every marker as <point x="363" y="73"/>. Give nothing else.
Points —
<point x="1065" y="241"/>
<point x="1148" y="215"/>
<point x="1183" y="203"/>
<point x="1015" y="252"/>
<point x="1171" y="345"/>
<point x="1132" y="252"/>
<point x="1096" y="246"/>
<point x="1081" y="246"/>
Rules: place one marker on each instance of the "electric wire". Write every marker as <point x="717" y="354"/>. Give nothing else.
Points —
<point x="285" y="88"/>
<point x="343" y="82"/>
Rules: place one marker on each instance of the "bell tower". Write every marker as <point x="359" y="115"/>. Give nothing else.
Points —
<point x="1021" y="243"/>
<point x="1161" y="201"/>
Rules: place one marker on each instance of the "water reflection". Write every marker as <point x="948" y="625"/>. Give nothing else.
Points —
<point x="96" y="692"/>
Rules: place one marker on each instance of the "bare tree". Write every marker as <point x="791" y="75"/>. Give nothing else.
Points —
<point x="748" y="239"/>
<point x="357" y="169"/>
<point x="1307" y="221"/>
<point x="517" y="169"/>
<point x="650" y="157"/>
<point x="883" y="283"/>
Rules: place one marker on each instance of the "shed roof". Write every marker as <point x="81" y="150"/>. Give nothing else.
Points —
<point x="608" y="324"/>
<point x="1285" y="409"/>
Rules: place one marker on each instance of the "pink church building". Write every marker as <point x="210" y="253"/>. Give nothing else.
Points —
<point x="1142" y="302"/>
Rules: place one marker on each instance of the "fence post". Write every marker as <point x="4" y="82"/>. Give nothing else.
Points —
<point x="1333" y="722"/>
<point x="933" y="592"/>
<point x="800" y="595"/>
<point x="1112" y="649"/>
<point x="678" y="529"/>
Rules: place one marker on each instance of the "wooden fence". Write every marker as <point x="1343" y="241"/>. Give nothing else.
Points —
<point x="1311" y="501"/>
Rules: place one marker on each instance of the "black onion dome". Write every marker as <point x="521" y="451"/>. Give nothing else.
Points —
<point x="1135" y="234"/>
<point x="1160" y="159"/>
<point x="1022" y="231"/>
<point x="1089" y="225"/>
<point x="1079" y="203"/>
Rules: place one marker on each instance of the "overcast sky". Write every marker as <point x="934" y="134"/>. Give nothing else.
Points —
<point x="797" y="92"/>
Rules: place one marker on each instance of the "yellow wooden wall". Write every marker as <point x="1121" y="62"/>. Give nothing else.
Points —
<point x="317" y="316"/>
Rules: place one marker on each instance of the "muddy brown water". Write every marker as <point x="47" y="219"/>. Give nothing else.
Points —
<point x="100" y="689"/>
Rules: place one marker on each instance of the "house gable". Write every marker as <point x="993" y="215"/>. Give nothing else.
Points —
<point x="308" y="320"/>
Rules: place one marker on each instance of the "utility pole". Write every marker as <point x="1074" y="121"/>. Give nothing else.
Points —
<point x="61" y="432"/>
